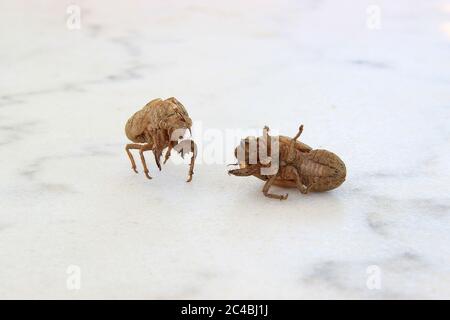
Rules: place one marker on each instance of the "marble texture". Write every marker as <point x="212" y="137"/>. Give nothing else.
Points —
<point x="380" y="98"/>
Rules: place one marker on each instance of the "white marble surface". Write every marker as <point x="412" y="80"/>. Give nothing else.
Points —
<point x="380" y="98"/>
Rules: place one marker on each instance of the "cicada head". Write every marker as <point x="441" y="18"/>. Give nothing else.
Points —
<point x="178" y="121"/>
<point x="254" y="150"/>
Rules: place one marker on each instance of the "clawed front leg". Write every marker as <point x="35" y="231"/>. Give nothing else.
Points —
<point x="184" y="147"/>
<point x="158" y="146"/>
<point x="191" y="165"/>
<point x="157" y="153"/>
<point x="168" y="152"/>
<point x="246" y="171"/>
<point x="167" y="155"/>
<point x="267" y="186"/>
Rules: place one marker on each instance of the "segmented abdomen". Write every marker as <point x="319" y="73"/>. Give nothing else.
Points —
<point x="323" y="169"/>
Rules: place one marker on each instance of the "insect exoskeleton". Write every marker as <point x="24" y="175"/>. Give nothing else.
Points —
<point x="160" y="124"/>
<point x="287" y="162"/>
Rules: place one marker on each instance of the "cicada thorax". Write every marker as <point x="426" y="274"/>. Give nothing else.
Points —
<point x="265" y="156"/>
<point x="288" y="158"/>
<point x="162" y="117"/>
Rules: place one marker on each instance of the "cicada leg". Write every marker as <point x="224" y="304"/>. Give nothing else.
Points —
<point x="191" y="165"/>
<point x="144" y="148"/>
<point x="157" y="153"/>
<point x="158" y="145"/>
<point x="300" y="186"/>
<point x="267" y="186"/>
<point x="127" y="149"/>
<point x="246" y="171"/>
<point x="184" y="147"/>
<point x="291" y="155"/>
<point x="168" y="152"/>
